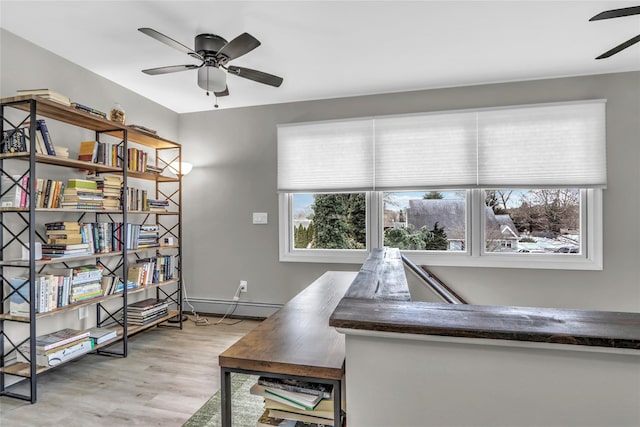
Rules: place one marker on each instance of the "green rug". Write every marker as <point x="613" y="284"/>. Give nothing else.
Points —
<point x="246" y="408"/>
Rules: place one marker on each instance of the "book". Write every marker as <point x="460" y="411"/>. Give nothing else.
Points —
<point x="324" y="408"/>
<point x="145" y="304"/>
<point x="62" y="225"/>
<point x="89" y="110"/>
<point x="303" y="419"/>
<point x="19" y="299"/>
<point x="307" y="401"/>
<point x="318" y="389"/>
<point x="64" y="353"/>
<point x="266" y="421"/>
<point x="14" y="141"/>
<point x="44" y="131"/>
<point x="101" y="335"/>
<point x="82" y="183"/>
<point x="59" y="338"/>
<point x="88" y="151"/>
<point x="11" y="192"/>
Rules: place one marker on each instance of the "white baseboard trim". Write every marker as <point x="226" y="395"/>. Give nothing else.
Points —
<point x="220" y="307"/>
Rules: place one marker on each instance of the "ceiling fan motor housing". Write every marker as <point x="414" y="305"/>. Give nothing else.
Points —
<point x="208" y="44"/>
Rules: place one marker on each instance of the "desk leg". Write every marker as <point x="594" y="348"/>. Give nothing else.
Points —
<point x="337" y="403"/>
<point x="225" y="395"/>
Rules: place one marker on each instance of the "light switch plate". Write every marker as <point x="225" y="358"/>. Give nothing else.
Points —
<point x="260" y="218"/>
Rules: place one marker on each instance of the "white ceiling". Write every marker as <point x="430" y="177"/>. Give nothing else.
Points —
<point x="330" y="49"/>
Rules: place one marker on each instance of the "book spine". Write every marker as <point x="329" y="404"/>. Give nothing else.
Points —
<point x="47" y="137"/>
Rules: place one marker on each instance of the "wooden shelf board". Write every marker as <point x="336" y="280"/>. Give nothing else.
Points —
<point x="63" y="161"/>
<point x="70" y="115"/>
<point x="22" y="368"/>
<point x="14" y="318"/>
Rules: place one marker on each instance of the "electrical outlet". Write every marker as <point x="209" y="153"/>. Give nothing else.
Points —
<point x="243" y="286"/>
<point x="83" y="313"/>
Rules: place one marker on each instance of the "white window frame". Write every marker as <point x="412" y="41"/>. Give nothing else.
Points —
<point x="589" y="258"/>
<point x="342" y="256"/>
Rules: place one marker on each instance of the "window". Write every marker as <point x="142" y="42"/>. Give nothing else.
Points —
<point x="426" y="221"/>
<point x="463" y="188"/>
<point x="543" y="221"/>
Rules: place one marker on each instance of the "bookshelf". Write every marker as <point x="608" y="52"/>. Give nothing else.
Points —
<point x="22" y="230"/>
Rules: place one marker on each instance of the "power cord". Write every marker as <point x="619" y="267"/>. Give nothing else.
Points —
<point x="203" y="321"/>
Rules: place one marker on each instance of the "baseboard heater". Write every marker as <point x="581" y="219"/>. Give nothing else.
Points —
<point x="221" y="306"/>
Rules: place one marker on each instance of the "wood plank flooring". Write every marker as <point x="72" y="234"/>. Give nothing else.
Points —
<point x="167" y="376"/>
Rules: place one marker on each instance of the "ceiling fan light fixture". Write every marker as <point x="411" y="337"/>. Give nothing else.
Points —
<point x="212" y="79"/>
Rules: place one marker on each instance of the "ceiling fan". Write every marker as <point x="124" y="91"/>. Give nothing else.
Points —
<point x="617" y="13"/>
<point x="214" y="54"/>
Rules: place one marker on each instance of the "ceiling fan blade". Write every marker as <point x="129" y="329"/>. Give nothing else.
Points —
<point x="170" y="69"/>
<point x="237" y="47"/>
<point x="170" y="42"/>
<point x="258" y="76"/>
<point x="617" y="13"/>
<point x="620" y="47"/>
<point x="225" y="92"/>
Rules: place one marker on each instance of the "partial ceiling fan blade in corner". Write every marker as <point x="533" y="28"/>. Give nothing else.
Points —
<point x="170" y="42"/>
<point x="620" y="47"/>
<point x="225" y="92"/>
<point x="237" y="47"/>
<point x="258" y="76"/>
<point x="616" y="13"/>
<point x="170" y="69"/>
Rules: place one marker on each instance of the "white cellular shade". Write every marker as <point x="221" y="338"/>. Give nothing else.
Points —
<point x="325" y="156"/>
<point x="561" y="145"/>
<point x="531" y="146"/>
<point x="426" y="150"/>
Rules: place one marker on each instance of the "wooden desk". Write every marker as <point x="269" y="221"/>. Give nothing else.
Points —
<point x="295" y="342"/>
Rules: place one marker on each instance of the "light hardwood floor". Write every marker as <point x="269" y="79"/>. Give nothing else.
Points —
<point x="167" y="376"/>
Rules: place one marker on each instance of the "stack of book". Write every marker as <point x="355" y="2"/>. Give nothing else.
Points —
<point x="148" y="236"/>
<point x="63" y="232"/>
<point x="82" y="194"/>
<point x="157" y="205"/>
<point x="289" y="402"/>
<point x="58" y="347"/>
<point x="48" y="94"/>
<point x="146" y="311"/>
<point x="86" y="283"/>
<point x="111" y="188"/>
<point x="64" y="239"/>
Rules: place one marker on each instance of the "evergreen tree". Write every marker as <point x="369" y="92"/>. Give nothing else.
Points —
<point x="357" y="220"/>
<point x="309" y="234"/>
<point x="433" y="195"/>
<point x="436" y="239"/>
<point x="331" y="229"/>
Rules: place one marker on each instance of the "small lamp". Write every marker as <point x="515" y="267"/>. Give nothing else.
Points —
<point x="212" y="79"/>
<point x="180" y="167"/>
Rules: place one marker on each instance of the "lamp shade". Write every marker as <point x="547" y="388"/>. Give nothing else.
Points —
<point x="180" y="168"/>
<point x="212" y="78"/>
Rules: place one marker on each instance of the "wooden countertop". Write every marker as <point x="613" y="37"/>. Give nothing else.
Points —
<point x="548" y="325"/>
<point x="297" y="339"/>
<point x="373" y="304"/>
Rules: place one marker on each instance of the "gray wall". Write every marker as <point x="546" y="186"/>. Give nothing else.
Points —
<point x="235" y="156"/>
<point x="234" y="152"/>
